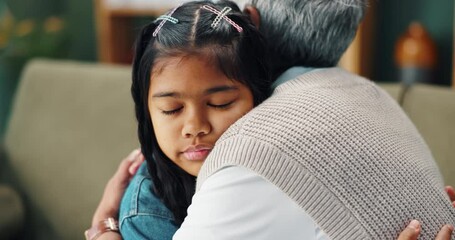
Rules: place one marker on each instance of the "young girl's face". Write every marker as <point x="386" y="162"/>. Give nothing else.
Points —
<point x="191" y="103"/>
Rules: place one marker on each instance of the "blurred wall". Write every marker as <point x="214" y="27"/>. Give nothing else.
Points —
<point x="81" y="23"/>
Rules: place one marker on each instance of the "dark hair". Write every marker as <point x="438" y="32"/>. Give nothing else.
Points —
<point x="240" y="55"/>
<point x="311" y="33"/>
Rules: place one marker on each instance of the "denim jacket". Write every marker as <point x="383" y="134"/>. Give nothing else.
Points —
<point x="142" y="214"/>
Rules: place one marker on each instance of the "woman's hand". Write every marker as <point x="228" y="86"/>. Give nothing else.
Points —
<point x="412" y="231"/>
<point x="115" y="188"/>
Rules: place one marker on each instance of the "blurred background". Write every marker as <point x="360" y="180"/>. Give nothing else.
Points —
<point x="88" y="30"/>
<point x="62" y="29"/>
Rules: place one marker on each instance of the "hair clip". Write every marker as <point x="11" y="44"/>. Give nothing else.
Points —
<point x="222" y="15"/>
<point x="164" y="19"/>
<point x="168" y="18"/>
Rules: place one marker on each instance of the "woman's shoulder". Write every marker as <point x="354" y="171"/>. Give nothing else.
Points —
<point x="140" y="200"/>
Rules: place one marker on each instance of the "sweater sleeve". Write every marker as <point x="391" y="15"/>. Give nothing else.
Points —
<point x="235" y="203"/>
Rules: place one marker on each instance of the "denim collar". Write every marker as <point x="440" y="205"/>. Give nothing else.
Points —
<point x="290" y="74"/>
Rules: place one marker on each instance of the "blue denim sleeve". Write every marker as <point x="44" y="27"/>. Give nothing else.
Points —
<point x="147" y="227"/>
<point x="142" y="214"/>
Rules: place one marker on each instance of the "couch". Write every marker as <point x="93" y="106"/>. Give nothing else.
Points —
<point x="70" y="126"/>
<point x="73" y="122"/>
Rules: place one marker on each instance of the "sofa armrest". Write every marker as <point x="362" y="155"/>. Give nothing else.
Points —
<point x="12" y="213"/>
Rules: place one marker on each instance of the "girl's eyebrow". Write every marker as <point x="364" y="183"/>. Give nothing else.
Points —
<point x="206" y="92"/>
<point x="220" y="89"/>
<point x="166" y="94"/>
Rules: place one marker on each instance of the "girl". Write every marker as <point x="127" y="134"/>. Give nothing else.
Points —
<point x="196" y="71"/>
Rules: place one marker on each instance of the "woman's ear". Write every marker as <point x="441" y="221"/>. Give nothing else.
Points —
<point x="253" y="12"/>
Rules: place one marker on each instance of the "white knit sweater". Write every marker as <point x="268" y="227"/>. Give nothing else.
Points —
<point x="342" y="149"/>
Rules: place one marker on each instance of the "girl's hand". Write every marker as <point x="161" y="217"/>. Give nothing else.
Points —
<point x="451" y="192"/>
<point x="412" y="231"/>
<point x="115" y="188"/>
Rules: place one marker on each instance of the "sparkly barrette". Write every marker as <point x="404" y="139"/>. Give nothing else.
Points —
<point x="222" y="15"/>
<point x="164" y="19"/>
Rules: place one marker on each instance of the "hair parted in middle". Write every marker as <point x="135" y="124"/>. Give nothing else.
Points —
<point x="186" y="31"/>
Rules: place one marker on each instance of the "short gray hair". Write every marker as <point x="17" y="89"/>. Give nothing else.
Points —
<point x="312" y="33"/>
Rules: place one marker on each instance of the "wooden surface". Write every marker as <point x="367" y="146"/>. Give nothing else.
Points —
<point x="115" y="34"/>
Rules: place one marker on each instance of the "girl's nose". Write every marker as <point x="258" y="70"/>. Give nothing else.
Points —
<point x="196" y="125"/>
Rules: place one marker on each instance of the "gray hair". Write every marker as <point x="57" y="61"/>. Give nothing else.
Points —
<point x="312" y="33"/>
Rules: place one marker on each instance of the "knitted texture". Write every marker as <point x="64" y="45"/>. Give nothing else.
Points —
<point x="344" y="151"/>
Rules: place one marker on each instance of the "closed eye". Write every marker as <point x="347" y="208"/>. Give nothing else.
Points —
<point x="221" y="106"/>
<point x="171" y="112"/>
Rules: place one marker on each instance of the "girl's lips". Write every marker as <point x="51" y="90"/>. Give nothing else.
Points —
<point x="197" y="155"/>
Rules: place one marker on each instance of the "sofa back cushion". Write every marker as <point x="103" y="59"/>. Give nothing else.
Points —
<point x="432" y="110"/>
<point x="70" y="126"/>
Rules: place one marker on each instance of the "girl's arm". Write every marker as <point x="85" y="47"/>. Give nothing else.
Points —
<point x="412" y="231"/>
<point x="451" y="192"/>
